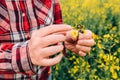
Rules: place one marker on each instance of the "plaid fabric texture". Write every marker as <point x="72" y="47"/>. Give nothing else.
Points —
<point x="18" y="19"/>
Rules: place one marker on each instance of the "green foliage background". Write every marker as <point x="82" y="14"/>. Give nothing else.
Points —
<point x="103" y="62"/>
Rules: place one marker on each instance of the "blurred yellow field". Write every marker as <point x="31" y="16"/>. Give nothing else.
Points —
<point x="103" y="62"/>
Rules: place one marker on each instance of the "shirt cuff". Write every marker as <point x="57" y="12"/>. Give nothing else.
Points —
<point x="21" y="62"/>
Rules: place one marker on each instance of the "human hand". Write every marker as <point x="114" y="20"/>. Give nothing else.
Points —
<point x="40" y="44"/>
<point x="82" y="45"/>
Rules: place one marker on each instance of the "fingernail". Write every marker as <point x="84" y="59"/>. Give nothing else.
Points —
<point x="82" y="54"/>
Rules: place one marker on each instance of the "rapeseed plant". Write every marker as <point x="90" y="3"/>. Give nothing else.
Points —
<point x="103" y="61"/>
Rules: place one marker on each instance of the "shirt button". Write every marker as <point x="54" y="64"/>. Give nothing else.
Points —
<point x="23" y="14"/>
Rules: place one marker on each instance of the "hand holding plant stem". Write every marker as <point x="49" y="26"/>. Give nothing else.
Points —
<point x="79" y="40"/>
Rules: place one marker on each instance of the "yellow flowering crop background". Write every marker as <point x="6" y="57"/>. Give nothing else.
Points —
<point x="103" y="61"/>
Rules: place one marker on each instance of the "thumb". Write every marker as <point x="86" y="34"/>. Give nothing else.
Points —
<point x="72" y="36"/>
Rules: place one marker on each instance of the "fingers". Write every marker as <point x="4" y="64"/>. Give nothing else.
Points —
<point x="61" y="32"/>
<point x="81" y="53"/>
<point x="84" y="43"/>
<point x="86" y="35"/>
<point x="88" y="42"/>
<point x="48" y="51"/>
<point x="41" y="54"/>
<point x="51" y="39"/>
<point x="40" y="44"/>
<point x="83" y="48"/>
<point x="53" y="29"/>
<point x="51" y="61"/>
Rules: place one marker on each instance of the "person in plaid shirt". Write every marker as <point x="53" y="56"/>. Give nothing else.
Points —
<point x="27" y="29"/>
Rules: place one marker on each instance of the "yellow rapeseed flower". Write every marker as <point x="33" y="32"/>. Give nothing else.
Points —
<point x="114" y="28"/>
<point x="118" y="50"/>
<point x="69" y="71"/>
<point x="100" y="66"/>
<point x="106" y="36"/>
<point x="98" y="16"/>
<point x="94" y="36"/>
<point x="112" y="69"/>
<point x="114" y="75"/>
<point x="75" y="69"/>
<point x="101" y="54"/>
<point x="117" y="68"/>
<point x="74" y="33"/>
<point x="106" y="68"/>
<point x="101" y="46"/>
<point x="56" y="67"/>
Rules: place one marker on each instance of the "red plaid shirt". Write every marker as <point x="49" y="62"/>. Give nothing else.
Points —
<point x="18" y="19"/>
